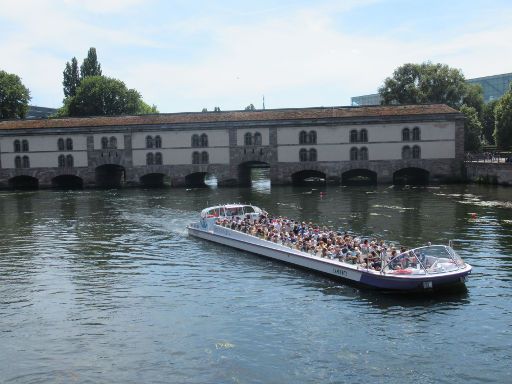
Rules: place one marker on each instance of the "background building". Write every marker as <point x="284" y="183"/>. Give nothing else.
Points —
<point x="493" y="87"/>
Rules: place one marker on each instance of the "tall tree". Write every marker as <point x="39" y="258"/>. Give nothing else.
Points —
<point x="489" y="121"/>
<point x="426" y="83"/>
<point x="472" y="129"/>
<point x="474" y="97"/>
<point x="71" y="78"/>
<point x="100" y="95"/>
<point x="250" y="107"/>
<point x="14" y="97"/>
<point x="503" y="115"/>
<point x="90" y="65"/>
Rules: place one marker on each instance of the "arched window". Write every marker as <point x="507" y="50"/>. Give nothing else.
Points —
<point x="158" y="158"/>
<point x="312" y="154"/>
<point x="353" y="153"/>
<point x="158" y="142"/>
<point x="196" y="157"/>
<point x="416" y="134"/>
<point x="416" y="152"/>
<point x="406" y="152"/>
<point x="204" y="158"/>
<point x="363" y="153"/>
<point x="303" y="154"/>
<point x="24" y="146"/>
<point x="353" y="136"/>
<point x="69" y="161"/>
<point x="363" y="136"/>
<point x="60" y="144"/>
<point x="204" y="140"/>
<point x="17" y="162"/>
<point x="17" y="146"/>
<point x="112" y="142"/>
<point x="26" y="162"/>
<point x="195" y="140"/>
<point x="312" y="137"/>
<point x="62" y="160"/>
<point x="69" y="144"/>
<point x="257" y="138"/>
<point x="406" y="134"/>
<point x="149" y="142"/>
<point x="303" y="137"/>
<point x="104" y="143"/>
<point x="248" y="139"/>
<point x="149" y="159"/>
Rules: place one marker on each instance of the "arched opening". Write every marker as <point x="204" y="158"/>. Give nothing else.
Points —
<point x="308" y="177"/>
<point x="155" y="180"/>
<point x="411" y="176"/>
<point x="254" y="172"/>
<point x="359" y="177"/>
<point x="24" y="183"/>
<point x="67" y="182"/>
<point x="196" y="180"/>
<point x="110" y="176"/>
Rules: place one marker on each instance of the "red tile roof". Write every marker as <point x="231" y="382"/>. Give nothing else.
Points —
<point x="233" y="116"/>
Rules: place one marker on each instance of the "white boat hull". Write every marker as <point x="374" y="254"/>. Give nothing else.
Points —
<point x="332" y="268"/>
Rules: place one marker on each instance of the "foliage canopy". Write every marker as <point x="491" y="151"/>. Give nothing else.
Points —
<point x="430" y="83"/>
<point x="14" y="97"/>
<point x="472" y="129"/>
<point x="100" y="95"/>
<point x="503" y="121"/>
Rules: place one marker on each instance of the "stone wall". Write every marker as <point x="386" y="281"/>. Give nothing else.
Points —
<point x="489" y="173"/>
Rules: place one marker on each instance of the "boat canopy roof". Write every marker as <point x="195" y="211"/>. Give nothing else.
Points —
<point x="228" y="210"/>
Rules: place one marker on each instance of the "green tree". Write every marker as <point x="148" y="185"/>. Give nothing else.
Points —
<point x="503" y="116"/>
<point x="14" y="97"/>
<point x="90" y="65"/>
<point x="488" y="121"/>
<point x="146" y="109"/>
<point x="71" y="78"/>
<point x="216" y="109"/>
<point x="100" y="95"/>
<point x="250" y="107"/>
<point x="204" y="110"/>
<point x="474" y="97"/>
<point x="427" y="83"/>
<point x="472" y="129"/>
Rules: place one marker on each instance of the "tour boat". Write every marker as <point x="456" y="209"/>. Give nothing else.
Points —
<point x="426" y="268"/>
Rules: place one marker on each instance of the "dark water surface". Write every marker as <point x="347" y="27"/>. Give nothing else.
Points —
<point x="106" y="287"/>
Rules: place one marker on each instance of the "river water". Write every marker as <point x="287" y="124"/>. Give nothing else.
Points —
<point x="106" y="287"/>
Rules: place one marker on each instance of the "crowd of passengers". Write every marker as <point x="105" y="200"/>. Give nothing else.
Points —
<point x="322" y="241"/>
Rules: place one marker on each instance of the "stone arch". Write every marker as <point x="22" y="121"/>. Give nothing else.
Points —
<point x="246" y="168"/>
<point x="411" y="176"/>
<point x="359" y="176"/>
<point x="24" y="182"/>
<point x="154" y="180"/>
<point x="196" y="180"/>
<point x="308" y="177"/>
<point x="110" y="176"/>
<point x="67" y="182"/>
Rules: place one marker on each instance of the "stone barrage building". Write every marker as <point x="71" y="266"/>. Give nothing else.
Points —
<point x="379" y="144"/>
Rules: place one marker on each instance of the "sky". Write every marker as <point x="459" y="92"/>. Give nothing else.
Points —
<point x="186" y="55"/>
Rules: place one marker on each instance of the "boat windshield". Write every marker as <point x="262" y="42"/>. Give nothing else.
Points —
<point x="432" y="259"/>
<point x="235" y="211"/>
<point x="230" y="211"/>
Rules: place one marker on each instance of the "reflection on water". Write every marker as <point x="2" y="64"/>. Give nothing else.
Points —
<point x="106" y="286"/>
